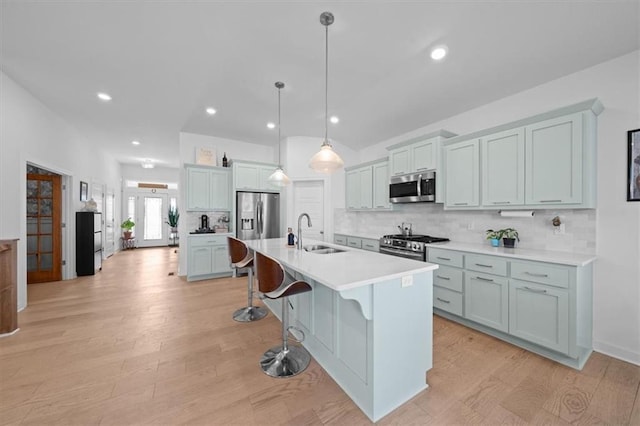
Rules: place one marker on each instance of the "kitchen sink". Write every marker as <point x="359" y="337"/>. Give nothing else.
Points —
<point x="320" y="249"/>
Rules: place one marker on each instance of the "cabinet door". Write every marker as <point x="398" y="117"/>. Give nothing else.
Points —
<point x="221" y="259"/>
<point x="247" y="176"/>
<point x="381" y="186"/>
<point x="487" y="300"/>
<point x="540" y="314"/>
<point x="399" y="161"/>
<point x="200" y="261"/>
<point x="424" y="155"/>
<point x="263" y="177"/>
<point x="220" y="199"/>
<point x="198" y="189"/>
<point x="462" y="177"/>
<point x="365" y="176"/>
<point x="503" y="168"/>
<point x="554" y="161"/>
<point x="352" y="189"/>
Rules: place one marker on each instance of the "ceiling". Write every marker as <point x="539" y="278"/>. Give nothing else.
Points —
<point x="163" y="62"/>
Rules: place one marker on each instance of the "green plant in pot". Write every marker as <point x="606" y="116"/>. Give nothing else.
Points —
<point x="173" y="217"/>
<point x="509" y="237"/>
<point x="494" y="237"/>
<point x="127" y="226"/>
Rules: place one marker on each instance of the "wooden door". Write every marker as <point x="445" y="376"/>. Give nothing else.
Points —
<point x="44" y="247"/>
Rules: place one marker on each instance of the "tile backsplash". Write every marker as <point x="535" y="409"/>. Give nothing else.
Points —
<point x="215" y="218"/>
<point x="535" y="232"/>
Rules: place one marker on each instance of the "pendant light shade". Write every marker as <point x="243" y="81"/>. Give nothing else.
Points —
<point x="279" y="178"/>
<point x="326" y="160"/>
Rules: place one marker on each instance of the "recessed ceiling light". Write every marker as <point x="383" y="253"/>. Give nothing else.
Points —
<point x="438" y="53"/>
<point x="271" y="125"/>
<point x="104" y="96"/>
<point x="334" y="119"/>
<point x="147" y="164"/>
<point x="135" y="142"/>
<point x="211" y="111"/>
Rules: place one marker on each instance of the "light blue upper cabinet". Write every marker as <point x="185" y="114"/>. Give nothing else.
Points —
<point x="198" y="189"/>
<point x="462" y="174"/>
<point x="503" y="168"/>
<point x="208" y="189"/>
<point x="424" y="155"/>
<point x="554" y="161"/>
<point x="399" y="161"/>
<point x="220" y="190"/>
<point x="367" y="186"/>
<point x="352" y="191"/>
<point x="253" y="176"/>
<point x="381" y="186"/>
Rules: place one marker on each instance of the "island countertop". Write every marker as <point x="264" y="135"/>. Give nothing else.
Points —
<point x="339" y="271"/>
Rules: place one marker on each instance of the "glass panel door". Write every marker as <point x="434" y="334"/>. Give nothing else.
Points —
<point x="150" y="220"/>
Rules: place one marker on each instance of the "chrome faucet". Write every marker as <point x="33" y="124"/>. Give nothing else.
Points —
<point x="299" y="243"/>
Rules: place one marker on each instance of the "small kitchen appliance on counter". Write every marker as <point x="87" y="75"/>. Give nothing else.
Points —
<point x="409" y="246"/>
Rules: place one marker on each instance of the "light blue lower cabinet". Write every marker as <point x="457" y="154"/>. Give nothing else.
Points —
<point x="374" y="341"/>
<point x="208" y="257"/>
<point x="487" y="300"/>
<point x="540" y="314"/>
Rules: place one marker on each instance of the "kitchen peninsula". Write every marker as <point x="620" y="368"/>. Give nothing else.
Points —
<point x="368" y="321"/>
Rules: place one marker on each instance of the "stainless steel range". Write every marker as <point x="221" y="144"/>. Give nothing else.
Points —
<point x="409" y="246"/>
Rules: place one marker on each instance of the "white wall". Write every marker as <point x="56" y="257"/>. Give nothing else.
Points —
<point x="30" y="132"/>
<point x="617" y="274"/>
<point x="236" y="150"/>
<point x="156" y="175"/>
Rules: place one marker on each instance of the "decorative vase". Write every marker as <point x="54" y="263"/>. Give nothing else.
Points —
<point x="509" y="242"/>
<point x="495" y="242"/>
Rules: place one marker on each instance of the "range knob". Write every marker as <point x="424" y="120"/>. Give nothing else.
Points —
<point x="416" y="247"/>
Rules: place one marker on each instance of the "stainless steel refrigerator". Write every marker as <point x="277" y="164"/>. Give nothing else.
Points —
<point x="257" y="215"/>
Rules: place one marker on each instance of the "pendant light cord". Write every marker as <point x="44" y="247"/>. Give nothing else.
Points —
<point x="326" y="84"/>
<point x="279" y="137"/>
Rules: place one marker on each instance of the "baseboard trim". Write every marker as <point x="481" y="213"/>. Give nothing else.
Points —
<point x="617" y="352"/>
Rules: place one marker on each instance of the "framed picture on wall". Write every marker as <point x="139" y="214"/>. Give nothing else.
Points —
<point x="633" y="165"/>
<point x="84" y="191"/>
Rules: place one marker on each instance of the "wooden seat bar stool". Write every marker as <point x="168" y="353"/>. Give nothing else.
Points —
<point x="241" y="258"/>
<point x="281" y="361"/>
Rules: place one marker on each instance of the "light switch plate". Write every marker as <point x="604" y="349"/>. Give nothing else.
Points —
<point x="407" y="281"/>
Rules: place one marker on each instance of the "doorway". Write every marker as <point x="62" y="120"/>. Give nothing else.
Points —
<point x="308" y="197"/>
<point x="44" y="243"/>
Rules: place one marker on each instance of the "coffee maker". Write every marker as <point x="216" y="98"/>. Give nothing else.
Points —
<point x="204" y="222"/>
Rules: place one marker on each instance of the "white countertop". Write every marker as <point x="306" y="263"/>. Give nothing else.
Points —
<point x="340" y="271"/>
<point x="559" y="257"/>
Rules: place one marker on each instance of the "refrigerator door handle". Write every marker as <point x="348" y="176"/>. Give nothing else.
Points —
<point x="260" y="218"/>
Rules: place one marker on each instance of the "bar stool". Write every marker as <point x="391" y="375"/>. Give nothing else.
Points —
<point x="241" y="259"/>
<point x="284" y="360"/>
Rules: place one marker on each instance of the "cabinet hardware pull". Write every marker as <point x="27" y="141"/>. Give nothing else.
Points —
<point x="550" y="201"/>
<point x="536" y="275"/>
<point x="484" y="266"/>
<point x="460" y="204"/>
<point x="443" y="278"/>
<point x="502" y="202"/>
<point x="484" y="279"/>
<point x="442" y="258"/>
<point x="535" y="290"/>
<point x="443" y="301"/>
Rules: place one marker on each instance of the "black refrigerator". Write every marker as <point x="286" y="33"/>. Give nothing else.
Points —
<point x="88" y="243"/>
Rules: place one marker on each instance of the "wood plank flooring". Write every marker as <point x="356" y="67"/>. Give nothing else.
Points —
<point x="135" y="345"/>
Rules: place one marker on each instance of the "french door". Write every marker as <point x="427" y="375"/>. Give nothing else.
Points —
<point x="149" y="217"/>
<point x="44" y="247"/>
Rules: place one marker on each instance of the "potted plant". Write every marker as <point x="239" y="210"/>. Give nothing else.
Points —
<point x="127" y="226"/>
<point x="494" y="237"/>
<point x="509" y="237"/>
<point x="173" y="217"/>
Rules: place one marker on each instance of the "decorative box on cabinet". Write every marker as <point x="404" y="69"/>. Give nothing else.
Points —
<point x="8" y="287"/>
<point x="208" y="189"/>
<point x="88" y="243"/>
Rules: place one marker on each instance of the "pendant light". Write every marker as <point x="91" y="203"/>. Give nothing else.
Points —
<point x="279" y="178"/>
<point x="326" y="160"/>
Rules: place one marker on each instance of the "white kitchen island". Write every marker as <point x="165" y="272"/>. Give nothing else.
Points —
<point x="368" y="321"/>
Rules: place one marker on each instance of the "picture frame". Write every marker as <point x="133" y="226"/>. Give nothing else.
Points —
<point x="633" y="165"/>
<point x="84" y="191"/>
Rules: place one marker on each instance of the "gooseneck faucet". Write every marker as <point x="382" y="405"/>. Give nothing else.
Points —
<point x="299" y="244"/>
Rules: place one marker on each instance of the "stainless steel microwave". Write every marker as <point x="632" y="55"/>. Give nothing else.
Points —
<point x="413" y="188"/>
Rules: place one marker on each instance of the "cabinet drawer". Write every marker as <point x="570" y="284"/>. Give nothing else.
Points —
<point x="209" y="240"/>
<point x="488" y="264"/>
<point x="447" y="277"/>
<point x="540" y="273"/>
<point x="371" y="245"/>
<point x="445" y="257"/>
<point x="340" y="239"/>
<point x="447" y="300"/>
<point x="354" y="242"/>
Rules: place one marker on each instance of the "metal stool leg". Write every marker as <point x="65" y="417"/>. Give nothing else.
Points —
<point x="285" y="360"/>
<point x="250" y="312"/>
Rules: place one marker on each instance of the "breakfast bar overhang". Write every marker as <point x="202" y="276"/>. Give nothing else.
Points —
<point x="368" y="320"/>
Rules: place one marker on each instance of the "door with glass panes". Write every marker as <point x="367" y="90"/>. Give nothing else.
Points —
<point x="149" y="212"/>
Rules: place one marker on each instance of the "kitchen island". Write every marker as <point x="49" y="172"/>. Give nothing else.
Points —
<point x="368" y="321"/>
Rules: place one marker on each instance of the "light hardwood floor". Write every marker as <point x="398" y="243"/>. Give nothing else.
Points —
<point x="135" y="345"/>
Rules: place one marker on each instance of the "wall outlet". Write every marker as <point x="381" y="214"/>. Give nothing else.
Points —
<point x="407" y="281"/>
<point x="471" y="226"/>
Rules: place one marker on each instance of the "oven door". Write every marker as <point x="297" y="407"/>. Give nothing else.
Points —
<point x="403" y="253"/>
